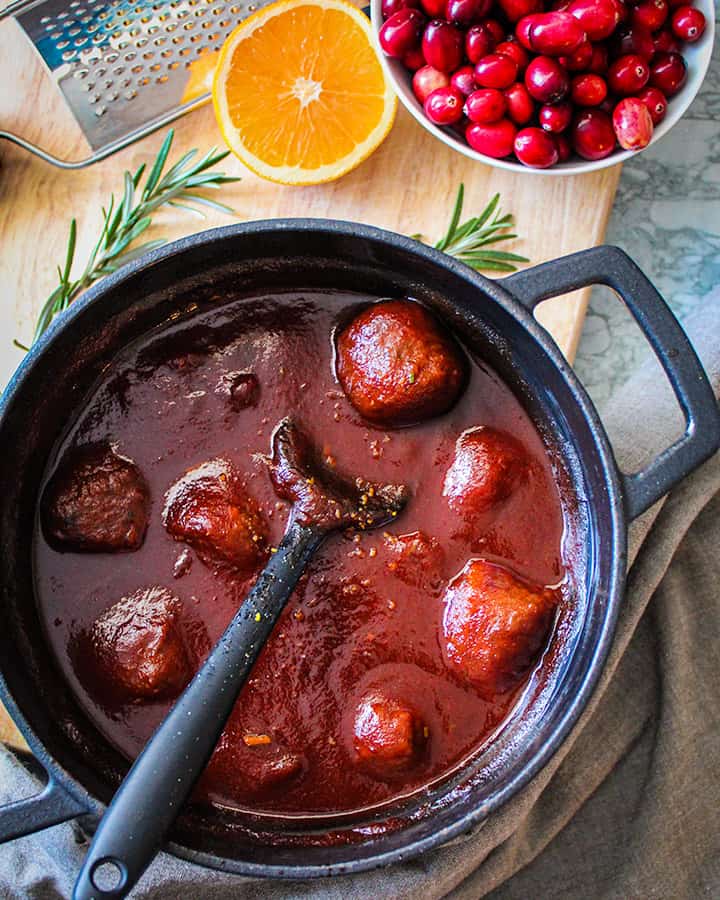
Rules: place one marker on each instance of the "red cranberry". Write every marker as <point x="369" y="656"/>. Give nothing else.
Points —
<point x="599" y="61"/>
<point x="665" y="41"/>
<point x="546" y="80"/>
<point x="494" y="140"/>
<point x="522" y="30"/>
<point x="444" y="106"/>
<point x="464" y="80"/>
<point x="555" y="33"/>
<point x="390" y="7"/>
<point x="651" y="14"/>
<point x="628" y="74"/>
<point x="519" y="103"/>
<point x="515" y="9"/>
<point x="496" y="71"/>
<point x="442" y="46"/>
<point x="516" y="52"/>
<point x="485" y="106"/>
<point x="579" y="59"/>
<point x="465" y="12"/>
<point x="592" y="134"/>
<point x="688" y="24"/>
<point x="588" y="89"/>
<point x="563" y="146"/>
<point x="656" y="103"/>
<point x="478" y="43"/>
<point x="534" y="148"/>
<point x="427" y="80"/>
<point x="632" y="39"/>
<point x="496" y="30"/>
<point x="668" y="72"/>
<point x="599" y="18"/>
<point x="401" y="32"/>
<point x="435" y="9"/>
<point x="555" y="117"/>
<point x="632" y="123"/>
<point x="413" y="59"/>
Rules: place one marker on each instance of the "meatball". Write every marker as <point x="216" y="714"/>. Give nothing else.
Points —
<point x="97" y="501"/>
<point x="494" y="625"/>
<point x="209" y="509"/>
<point x="138" y="648"/>
<point x="487" y="466"/>
<point x="397" y="366"/>
<point x="251" y="763"/>
<point x="388" y="735"/>
<point x="415" y="558"/>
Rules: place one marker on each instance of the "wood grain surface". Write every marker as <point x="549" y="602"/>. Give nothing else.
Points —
<point x="408" y="185"/>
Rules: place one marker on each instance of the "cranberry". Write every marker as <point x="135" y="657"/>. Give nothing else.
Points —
<point x="546" y="80"/>
<point x="465" y="12"/>
<point x="592" y="134"/>
<point x="588" y="89"/>
<point x="563" y="146"/>
<point x="632" y="39"/>
<point x="515" y="9"/>
<point x="485" y="106"/>
<point x="555" y="117"/>
<point x="427" y="80"/>
<point x="522" y="30"/>
<point x="390" y="7"/>
<point x="516" y="52"/>
<point x="435" y="9"/>
<point x="442" y="46"/>
<point x="579" y="59"/>
<point x="555" y="33"/>
<point x="413" y="59"/>
<point x="534" y="148"/>
<point x="401" y="32"/>
<point x="478" y="43"/>
<point x="628" y="74"/>
<point x="494" y="140"/>
<point x="444" y="106"/>
<point x="496" y="71"/>
<point x="632" y="123"/>
<point x="599" y="61"/>
<point x="599" y="18"/>
<point x="651" y="14"/>
<point x="688" y="24"/>
<point x="668" y="72"/>
<point x="656" y="103"/>
<point x="496" y="30"/>
<point x="665" y="41"/>
<point x="464" y="80"/>
<point x="519" y="103"/>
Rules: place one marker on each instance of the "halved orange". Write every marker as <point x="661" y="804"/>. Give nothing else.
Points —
<point x="299" y="93"/>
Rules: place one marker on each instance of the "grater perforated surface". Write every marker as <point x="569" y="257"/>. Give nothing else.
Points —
<point x="123" y="66"/>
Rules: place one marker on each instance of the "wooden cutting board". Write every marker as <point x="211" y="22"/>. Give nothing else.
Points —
<point x="408" y="185"/>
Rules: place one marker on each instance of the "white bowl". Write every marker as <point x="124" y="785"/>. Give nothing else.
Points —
<point x="696" y="55"/>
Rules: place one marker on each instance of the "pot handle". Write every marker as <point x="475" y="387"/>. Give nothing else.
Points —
<point x="613" y="267"/>
<point x="51" y="806"/>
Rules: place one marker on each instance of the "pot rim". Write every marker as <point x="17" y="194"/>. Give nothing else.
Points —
<point x="614" y="589"/>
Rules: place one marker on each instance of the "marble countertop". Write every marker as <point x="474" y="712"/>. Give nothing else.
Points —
<point x="667" y="217"/>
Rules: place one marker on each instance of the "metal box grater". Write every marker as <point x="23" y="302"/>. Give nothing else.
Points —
<point x="126" y="68"/>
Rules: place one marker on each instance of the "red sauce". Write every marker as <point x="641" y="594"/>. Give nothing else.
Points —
<point x="357" y="622"/>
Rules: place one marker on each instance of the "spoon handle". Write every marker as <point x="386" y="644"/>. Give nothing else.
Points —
<point x="162" y="777"/>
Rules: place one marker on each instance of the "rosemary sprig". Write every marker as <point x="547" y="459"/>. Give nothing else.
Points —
<point x="468" y="242"/>
<point x="124" y="221"/>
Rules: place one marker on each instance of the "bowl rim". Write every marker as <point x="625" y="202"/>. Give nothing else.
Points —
<point x="701" y="54"/>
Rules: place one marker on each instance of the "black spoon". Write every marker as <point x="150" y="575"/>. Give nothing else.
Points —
<point x="162" y="777"/>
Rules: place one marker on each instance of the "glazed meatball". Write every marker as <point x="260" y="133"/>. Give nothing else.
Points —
<point x="209" y="509"/>
<point x="251" y="763"/>
<point x="414" y="558"/>
<point x="494" y="625"/>
<point x="486" y="467"/>
<point x="388" y="735"/>
<point x="397" y="366"/>
<point x="97" y="501"/>
<point x="138" y="647"/>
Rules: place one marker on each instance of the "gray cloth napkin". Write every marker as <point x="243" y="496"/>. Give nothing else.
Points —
<point x="630" y="805"/>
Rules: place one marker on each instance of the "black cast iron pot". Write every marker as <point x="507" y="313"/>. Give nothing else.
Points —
<point x="492" y="317"/>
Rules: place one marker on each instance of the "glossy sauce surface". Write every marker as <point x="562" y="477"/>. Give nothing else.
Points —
<point x="357" y="622"/>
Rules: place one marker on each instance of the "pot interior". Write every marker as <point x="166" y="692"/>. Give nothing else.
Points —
<point x="197" y="274"/>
